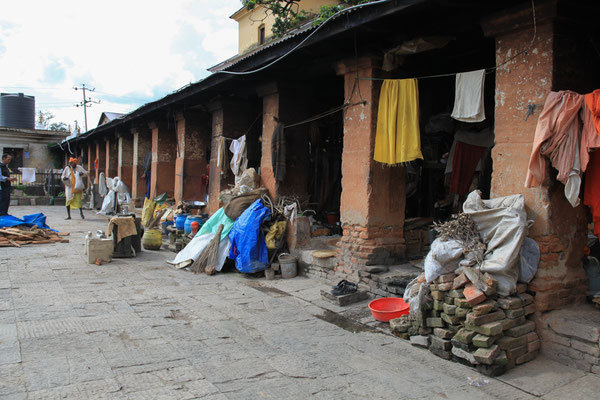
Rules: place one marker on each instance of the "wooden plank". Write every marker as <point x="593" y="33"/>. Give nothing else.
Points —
<point x="14" y="243"/>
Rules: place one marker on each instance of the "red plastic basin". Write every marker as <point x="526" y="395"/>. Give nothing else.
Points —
<point x="388" y="308"/>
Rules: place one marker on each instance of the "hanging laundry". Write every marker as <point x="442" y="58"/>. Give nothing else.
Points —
<point x="278" y="153"/>
<point x="480" y="138"/>
<point x="592" y="100"/>
<point x="27" y="175"/>
<point x="556" y="137"/>
<point x="398" y="138"/>
<point x="590" y="136"/>
<point x="468" y="97"/>
<point x="464" y="163"/>
<point x="239" y="161"/>
<point x="591" y="190"/>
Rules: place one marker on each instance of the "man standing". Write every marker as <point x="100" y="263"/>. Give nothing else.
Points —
<point x="5" y="181"/>
<point x="72" y="177"/>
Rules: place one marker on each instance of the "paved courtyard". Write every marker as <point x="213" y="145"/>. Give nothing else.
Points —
<point x="138" y="329"/>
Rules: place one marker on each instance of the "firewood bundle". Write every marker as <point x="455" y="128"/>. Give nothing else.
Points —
<point x="18" y="236"/>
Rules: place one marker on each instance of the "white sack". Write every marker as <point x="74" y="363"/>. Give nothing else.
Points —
<point x="109" y="204"/>
<point x="502" y="225"/>
<point x="443" y="258"/>
<point x="194" y="248"/>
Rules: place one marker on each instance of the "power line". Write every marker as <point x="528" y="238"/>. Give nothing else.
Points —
<point x="86" y="102"/>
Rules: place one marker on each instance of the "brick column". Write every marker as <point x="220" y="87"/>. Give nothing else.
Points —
<point x="559" y="228"/>
<point x="142" y="144"/>
<point x="193" y="139"/>
<point x="101" y="157"/>
<point x="230" y="118"/>
<point x="373" y="196"/>
<point x="91" y="155"/>
<point x="163" y="158"/>
<point x="111" y="157"/>
<point x="125" y="157"/>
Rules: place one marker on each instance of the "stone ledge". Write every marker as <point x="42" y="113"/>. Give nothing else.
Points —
<point x="581" y="322"/>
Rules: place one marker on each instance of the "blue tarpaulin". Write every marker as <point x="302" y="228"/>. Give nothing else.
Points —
<point x="248" y="247"/>
<point x="39" y="220"/>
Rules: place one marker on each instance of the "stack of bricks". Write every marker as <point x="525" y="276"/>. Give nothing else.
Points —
<point x="475" y="327"/>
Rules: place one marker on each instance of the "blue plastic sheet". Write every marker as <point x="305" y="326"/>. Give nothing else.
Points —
<point x="39" y="220"/>
<point x="248" y="247"/>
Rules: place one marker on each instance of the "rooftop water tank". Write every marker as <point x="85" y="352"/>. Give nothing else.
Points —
<point x="17" y="110"/>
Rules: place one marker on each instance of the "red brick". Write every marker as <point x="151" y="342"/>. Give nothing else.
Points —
<point x="533" y="346"/>
<point x="460" y="281"/>
<point x="473" y="295"/>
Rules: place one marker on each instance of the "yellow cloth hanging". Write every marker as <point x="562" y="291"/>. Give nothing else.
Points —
<point x="398" y="138"/>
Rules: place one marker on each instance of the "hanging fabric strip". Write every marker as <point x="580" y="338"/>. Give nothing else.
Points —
<point x="398" y="138"/>
<point x="278" y="153"/>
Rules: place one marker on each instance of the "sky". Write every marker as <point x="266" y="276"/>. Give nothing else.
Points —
<point x="130" y="51"/>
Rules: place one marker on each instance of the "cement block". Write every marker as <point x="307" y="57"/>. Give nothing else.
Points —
<point x="99" y="248"/>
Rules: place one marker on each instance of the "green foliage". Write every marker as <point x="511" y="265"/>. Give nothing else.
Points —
<point x="58" y="126"/>
<point x="288" y="15"/>
<point x="328" y="11"/>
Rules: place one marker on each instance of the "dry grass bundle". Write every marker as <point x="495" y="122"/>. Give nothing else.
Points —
<point x="460" y="227"/>
<point x="208" y="257"/>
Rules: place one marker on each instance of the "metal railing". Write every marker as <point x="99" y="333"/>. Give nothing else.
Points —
<point x="47" y="183"/>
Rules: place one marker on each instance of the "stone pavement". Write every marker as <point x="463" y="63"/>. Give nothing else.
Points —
<point x="138" y="329"/>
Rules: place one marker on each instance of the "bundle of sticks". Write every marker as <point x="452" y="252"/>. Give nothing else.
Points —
<point x="18" y="236"/>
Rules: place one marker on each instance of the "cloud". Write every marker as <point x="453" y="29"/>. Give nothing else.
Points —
<point x="131" y="51"/>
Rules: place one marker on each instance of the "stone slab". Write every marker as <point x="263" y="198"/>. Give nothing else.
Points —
<point x="541" y="376"/>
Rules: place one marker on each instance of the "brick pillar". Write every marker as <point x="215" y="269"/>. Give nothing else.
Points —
<point x="101" y="157"/>
<point x="373" y="196"/>
<point x="289" y="104"/>
<point x="142" y="144"/>
<point x="111" y="157"/>
<point x="270" y="97"/>
<point x="230" y="118"/>
<point x="125" y="157"/>
<point x="164" y="144"/>
<point x="558" y="228"/>
<point x="193" y="139"/>
<point x="91" y="155"/>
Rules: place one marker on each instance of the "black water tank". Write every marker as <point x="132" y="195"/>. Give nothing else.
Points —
<point x="17" y="110"/>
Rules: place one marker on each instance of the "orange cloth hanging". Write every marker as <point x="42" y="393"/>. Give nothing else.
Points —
<point x="556" y="137"/>
<point x="590" y="137"/>
<point x="591" y="191"/>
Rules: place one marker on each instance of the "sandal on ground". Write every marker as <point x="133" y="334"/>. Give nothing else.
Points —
<point x="344" y="287"/>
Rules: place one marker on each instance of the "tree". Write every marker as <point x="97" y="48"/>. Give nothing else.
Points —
<point x="43" y="122"/>
<point x="58" y="126"/>
<point x="288" y="15"/>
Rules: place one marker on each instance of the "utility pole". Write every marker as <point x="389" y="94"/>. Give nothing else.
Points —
<point x="86" y="102"/>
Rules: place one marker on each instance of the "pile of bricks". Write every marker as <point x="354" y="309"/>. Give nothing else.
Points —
<point x="474" y="326"/>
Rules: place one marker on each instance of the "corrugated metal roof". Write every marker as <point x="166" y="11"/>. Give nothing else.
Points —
<point x="240" y="57"/>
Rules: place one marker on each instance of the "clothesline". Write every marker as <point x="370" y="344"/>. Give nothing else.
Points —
<point x="323" y="114"/>
<point x="488" y="70"/>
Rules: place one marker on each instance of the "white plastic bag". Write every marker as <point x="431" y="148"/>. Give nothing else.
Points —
<point x="529" y="258"/>
<point x="79" y="186"/>
<point x="443" y="258"/>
